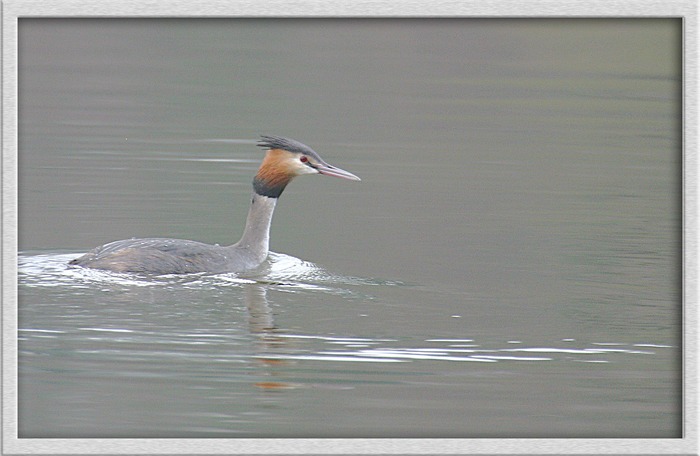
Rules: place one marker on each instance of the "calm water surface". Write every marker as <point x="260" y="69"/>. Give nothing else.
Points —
<point x="509" y="265"/>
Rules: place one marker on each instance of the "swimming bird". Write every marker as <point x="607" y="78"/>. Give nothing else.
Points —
<point x="284" y="159"/>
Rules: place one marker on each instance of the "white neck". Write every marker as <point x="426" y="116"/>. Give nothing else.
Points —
<point x="256" y="236"/>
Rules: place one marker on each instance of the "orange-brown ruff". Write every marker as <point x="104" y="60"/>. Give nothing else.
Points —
<point x="285" y="159"/>
<point x="275" y="170"/>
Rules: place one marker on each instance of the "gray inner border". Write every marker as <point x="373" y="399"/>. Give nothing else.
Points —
<point x="12" y="10"/>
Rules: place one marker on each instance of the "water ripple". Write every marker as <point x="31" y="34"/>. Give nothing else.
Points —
<point x="283" y="272"/>
<point x="52" y="270"/>
<point x="390" y="350"/>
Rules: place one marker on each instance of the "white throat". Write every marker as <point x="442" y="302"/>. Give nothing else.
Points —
<point x="256" y="235"/>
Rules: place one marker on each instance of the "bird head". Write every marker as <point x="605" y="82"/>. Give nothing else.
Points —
<point x="286" y="159"/>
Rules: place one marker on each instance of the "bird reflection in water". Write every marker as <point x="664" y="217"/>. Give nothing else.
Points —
<point x="261" y="324"/>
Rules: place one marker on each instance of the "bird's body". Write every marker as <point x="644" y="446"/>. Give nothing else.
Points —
<point x="285" y="159"/>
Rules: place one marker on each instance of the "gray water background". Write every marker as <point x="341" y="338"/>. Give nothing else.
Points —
<point x="509" y="265"/>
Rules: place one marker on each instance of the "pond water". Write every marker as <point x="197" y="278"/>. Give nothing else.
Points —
<point x="509" y="266"/>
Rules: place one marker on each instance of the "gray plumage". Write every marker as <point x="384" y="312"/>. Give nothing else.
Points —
<point x="179" y="256"/>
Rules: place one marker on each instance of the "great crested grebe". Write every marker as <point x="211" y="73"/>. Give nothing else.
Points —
<point x="285" y="159"/>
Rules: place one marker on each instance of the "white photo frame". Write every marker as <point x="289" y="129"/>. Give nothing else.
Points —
<point x="12" y="11"/>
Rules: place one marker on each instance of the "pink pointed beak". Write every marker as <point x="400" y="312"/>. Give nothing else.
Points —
<point x="330" y="170"/>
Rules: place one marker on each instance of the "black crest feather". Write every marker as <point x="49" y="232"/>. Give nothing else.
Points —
<point x="279" y="142"/>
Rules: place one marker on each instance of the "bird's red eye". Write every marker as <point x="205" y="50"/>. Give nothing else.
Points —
<point x="303" y="159"/>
